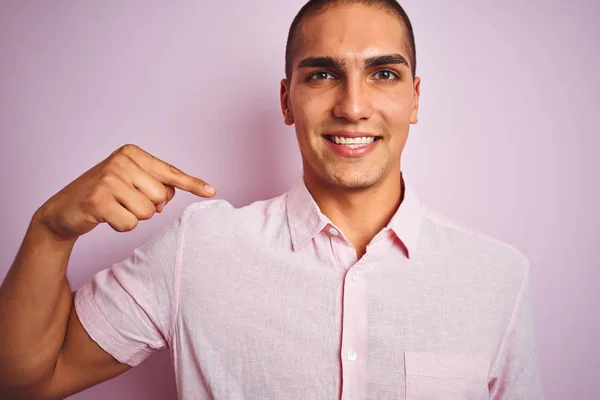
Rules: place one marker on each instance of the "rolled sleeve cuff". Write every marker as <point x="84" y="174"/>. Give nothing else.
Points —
<point x="103" y="333"/>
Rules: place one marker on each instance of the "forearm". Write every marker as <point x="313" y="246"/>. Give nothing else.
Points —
<point x="35" y="301"/>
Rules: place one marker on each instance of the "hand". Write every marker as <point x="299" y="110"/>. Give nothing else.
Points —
<point x="129" y="186"/>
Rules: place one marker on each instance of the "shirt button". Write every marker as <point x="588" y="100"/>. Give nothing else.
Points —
<point x="333" y="231"/>
<point x="353" y="278"/>
<point x="351" y="355"/>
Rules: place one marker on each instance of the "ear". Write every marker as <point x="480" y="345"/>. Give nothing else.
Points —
<point x="288" y="115"/>
<point x="414" y="113"/>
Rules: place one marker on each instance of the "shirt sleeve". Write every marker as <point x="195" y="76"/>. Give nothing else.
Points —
<point x="515" y="373"/>
<point x="129" y="309"/>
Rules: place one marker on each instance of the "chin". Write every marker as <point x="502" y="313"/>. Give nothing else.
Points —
<point x="353" y="180"/>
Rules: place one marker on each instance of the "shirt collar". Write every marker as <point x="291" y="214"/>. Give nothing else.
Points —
<point x="406" y="222"/>
<point x="304" y="216"/>
<point x="306" y="219"/>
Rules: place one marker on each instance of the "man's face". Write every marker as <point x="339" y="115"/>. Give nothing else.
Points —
<point x="349" y="84"/>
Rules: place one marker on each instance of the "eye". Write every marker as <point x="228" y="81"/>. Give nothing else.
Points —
<point x="319" y="76"/>
<point x="386" y="75"/>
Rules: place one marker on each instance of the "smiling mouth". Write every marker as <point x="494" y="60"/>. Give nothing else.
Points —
<point x="352" y="143"/>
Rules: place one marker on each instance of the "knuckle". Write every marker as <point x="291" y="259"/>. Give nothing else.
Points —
<point x="195" y="182"/>
<point x="175" y="170"/>
<point x="128" y="149"/>
<point x="200" y="184"/>
<point x="118" y="161"/>
<point x="108" y="178"/>
<point x="198" y="181"/>
<point x="146" y="213"/>
<point x="127" y="226"/>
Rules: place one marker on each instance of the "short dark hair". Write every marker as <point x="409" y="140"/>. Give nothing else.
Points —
<point x="317" y="6"/>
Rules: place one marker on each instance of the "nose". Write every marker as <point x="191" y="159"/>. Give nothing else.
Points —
<point x="353" y="102"/>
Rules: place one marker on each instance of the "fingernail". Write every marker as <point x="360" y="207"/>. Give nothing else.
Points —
<point x="160" y="207"/>
<point x="209" y="189"/>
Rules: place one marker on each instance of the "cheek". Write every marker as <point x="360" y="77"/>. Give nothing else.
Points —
<point x="311" y="110"/>
<point x="395" y="108"/>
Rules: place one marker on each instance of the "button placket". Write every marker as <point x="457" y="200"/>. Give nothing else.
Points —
<point x="354" y="334"/>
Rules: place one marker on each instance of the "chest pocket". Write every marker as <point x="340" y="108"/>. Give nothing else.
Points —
<point x="437" y="376"/>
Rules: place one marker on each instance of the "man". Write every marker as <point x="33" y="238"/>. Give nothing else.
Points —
<point x="345" y="287"/>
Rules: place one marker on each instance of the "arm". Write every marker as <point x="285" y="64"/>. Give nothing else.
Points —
<point x="81" y="363"/>
<point x="44" y="350"/>
<point x="38" y="326"/>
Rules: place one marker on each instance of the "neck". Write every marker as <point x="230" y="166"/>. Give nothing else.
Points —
<point x="359" y="213"/>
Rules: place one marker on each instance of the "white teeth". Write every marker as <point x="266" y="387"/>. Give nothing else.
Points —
<point x="353" y="142"/>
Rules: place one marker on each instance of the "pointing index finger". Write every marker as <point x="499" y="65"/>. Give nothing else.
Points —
<point x="167" y="173"/>
<point x="179" y="179"/>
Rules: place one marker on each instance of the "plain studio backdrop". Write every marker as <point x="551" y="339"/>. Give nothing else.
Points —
<point x="507" y="141"/>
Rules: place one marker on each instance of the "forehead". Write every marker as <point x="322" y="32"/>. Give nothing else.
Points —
<point x="352" y="32"/>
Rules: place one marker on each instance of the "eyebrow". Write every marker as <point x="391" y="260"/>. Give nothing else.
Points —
<point x="329" y="62"/>
<point x="321" y="62"/>
<point x="386" y="60"/>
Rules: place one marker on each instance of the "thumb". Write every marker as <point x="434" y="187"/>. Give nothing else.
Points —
<point x="170" y="194"/>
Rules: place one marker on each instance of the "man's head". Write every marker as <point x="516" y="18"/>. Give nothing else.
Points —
<point x="351" y="90"/>
<point x="313" y="7"/>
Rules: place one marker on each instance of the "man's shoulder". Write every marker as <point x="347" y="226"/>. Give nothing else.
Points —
<point x="448" y="237"/>
<point x="221" y="214"/>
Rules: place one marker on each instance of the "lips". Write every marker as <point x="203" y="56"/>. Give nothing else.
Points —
<point x="351" y="144"/>
<point x="350" y="141"/>
<point x="351" y="134"/>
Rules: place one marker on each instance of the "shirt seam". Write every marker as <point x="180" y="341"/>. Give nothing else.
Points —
<point x="446" y="376"/>
<point x="513" y="320"/>
<point x="178" y="260"/>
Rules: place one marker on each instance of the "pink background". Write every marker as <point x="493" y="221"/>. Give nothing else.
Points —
<point x="507" y="142"/>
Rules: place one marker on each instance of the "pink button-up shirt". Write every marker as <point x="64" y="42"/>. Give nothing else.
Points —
<point x="269" y="301"/>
